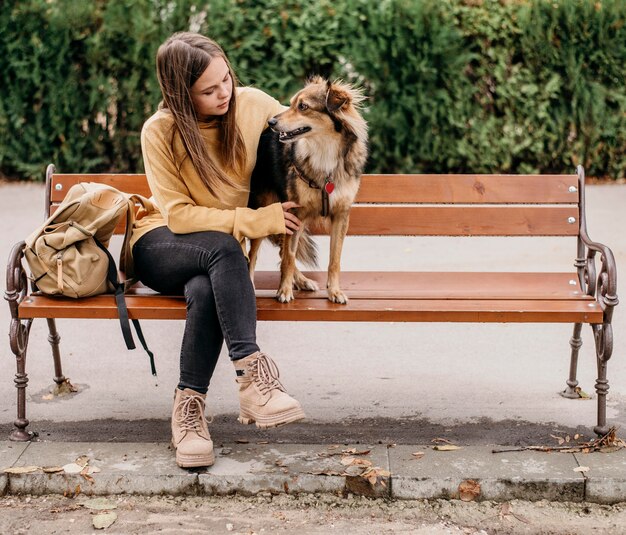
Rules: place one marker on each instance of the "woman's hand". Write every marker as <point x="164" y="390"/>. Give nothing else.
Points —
<point x="292" y="223"/>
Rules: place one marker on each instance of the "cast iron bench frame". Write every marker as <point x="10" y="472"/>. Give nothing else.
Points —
<point x="399" y="205"/>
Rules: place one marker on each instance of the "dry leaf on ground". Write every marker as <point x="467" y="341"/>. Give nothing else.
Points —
<point x="446" y="447"/>
<point x="418" y="454"/>
<point x="469" y="490"/>
<point x="444" y="440"/>
<point x="22" y="469"/>
<point x="52" y="469"/>
<point x="72" y="468"/>
<point x="581" y="469"/>
<point x="103" y="520"/>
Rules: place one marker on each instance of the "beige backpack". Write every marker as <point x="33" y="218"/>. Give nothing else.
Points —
<point x="68" y="254"/>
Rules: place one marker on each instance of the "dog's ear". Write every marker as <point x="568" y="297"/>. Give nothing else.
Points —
<point x="336" y="97"/>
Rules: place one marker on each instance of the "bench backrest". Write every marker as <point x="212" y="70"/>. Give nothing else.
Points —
<point x="425" y="205"/>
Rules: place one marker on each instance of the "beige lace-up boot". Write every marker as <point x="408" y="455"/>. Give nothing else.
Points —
<point x="190" y="430"/>
<point x="262" y="398"/>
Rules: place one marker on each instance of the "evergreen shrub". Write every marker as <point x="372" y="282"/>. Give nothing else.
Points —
<point x="512" y="86"/>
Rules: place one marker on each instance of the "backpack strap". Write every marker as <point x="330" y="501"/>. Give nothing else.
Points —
<point x="122" y="310"/>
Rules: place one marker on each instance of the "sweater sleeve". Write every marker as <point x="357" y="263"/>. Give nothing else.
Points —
<point x="183" y="215"/>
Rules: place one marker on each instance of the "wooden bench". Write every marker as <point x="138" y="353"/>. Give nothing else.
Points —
<point x="400" y="205"/>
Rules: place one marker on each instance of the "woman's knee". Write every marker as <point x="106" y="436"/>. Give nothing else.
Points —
<point x="224" y="247"/>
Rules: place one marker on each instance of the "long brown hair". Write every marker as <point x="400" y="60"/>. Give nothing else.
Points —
<point x="181" y="60"/>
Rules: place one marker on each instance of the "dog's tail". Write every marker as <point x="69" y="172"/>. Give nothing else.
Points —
<point x="307" y="248"/>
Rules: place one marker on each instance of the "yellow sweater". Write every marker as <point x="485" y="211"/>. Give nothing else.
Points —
<point x="183" y="201"/>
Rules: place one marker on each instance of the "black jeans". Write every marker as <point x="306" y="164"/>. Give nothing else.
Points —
<point x="211" y="271"/>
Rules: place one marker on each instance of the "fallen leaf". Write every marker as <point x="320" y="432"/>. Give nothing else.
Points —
<point x="447" y="447"/>
<point x="353" y="471"/>
<point x="347" y="461"/>
<point x="47" y="397"/>
<point x="85" y="473"/>
<point x="581" y="469"/>
<point x="242" y="441"/>
<point x="72" y="468"/>
<point x="99" y="504"/>
<point x="52" y="469"/>
<point x="22" y="469"/>
<point x="559" y="439"/>
<point x="444" y="440"/>
<point x="326" y="473"/>
<point x="354" y="451"/>
<point x="64" y="388"/>
<point x="83" y="460"/>
<point x="103" y="520"/>
<point x="582" y="394"/>
<point x="373" y="474"/>
<point x="469" y="490"/>
<point x="418" y="454"/>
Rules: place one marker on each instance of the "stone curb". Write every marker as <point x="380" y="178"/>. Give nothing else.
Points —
<point x="249" y="469"/>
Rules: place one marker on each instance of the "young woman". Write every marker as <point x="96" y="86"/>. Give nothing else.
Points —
<point x="199" y="150"/>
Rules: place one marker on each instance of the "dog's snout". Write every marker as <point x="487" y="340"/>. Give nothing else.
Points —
<point x="272" y="121"/>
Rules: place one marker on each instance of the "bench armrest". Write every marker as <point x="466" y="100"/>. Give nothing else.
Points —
<point x="16" y="292"/>
<point x="602" y="285"/>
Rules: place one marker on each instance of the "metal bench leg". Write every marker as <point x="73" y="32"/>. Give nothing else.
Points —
<point x="602" y="388"/>
<point x="19" y="344"/>
<point x="54" y="340"/>
<point x="575" y="342"/>
<point x="19" y="331"/>
<point x="603" y="336"/>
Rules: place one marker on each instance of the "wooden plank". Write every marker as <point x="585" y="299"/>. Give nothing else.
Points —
<point x="453" y="221"/>
<point x="469" y="189"/>
<point x="130" y="183"/>
<point x="320" y="309"/>
<point x="423" y="310"/>
<point x="464" y="189"/>
<point x="437" y="285"/>
<point x="463" y="221"/>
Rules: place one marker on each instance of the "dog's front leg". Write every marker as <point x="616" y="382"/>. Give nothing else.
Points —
<point x="339" y="227"/>
<point x="287" y="267"/>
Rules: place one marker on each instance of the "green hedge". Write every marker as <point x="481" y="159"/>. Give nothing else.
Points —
<point x="452" y="85"/>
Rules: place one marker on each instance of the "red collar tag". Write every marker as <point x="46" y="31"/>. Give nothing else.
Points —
<point x="329" y="186"/>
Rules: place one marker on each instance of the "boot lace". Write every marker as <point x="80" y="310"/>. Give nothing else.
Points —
<point x="265" y="373"/>
<point x="190" y="414"/>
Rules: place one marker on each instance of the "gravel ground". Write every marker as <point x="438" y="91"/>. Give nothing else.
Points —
<point x="307" y="514"/>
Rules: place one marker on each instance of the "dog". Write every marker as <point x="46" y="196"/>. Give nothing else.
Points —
<point x="313" y="154"/>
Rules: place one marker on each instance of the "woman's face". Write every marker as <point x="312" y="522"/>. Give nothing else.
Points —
<point x="211" y="93"/>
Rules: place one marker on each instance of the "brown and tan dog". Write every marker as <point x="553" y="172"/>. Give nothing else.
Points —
<point x="314" y="155"/>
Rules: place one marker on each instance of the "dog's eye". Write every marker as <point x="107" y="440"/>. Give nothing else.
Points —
<point x="302" y="106"/>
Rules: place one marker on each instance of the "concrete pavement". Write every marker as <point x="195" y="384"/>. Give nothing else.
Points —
<point x="475" y="385"/>
<point x="397" y="472"/>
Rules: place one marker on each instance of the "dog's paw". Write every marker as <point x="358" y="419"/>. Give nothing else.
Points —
<point x="337" y="296"/>
<point x="303" y="283"/>
<point x="284" y="295"/>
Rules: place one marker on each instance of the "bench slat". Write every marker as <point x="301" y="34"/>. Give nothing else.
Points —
<point x="381" y="188"/>
<point x="453" y="221"/>
<point x="469" y="189"/>
<point x="463" y="221"/>
<point x="438" y="285"/>
<point x="130" y="183"/>
<point x="320" y="309"/>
